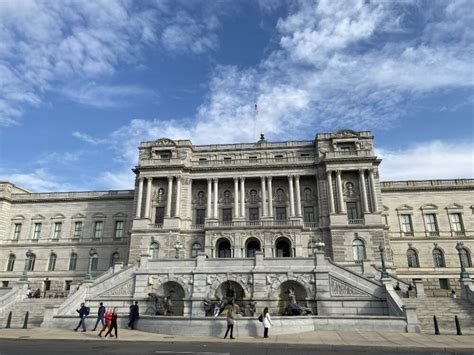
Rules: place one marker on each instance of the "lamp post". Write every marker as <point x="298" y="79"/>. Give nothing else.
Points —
<point x="24" y="275"/>
<point x="464" y="274"/>
<point x="384" y="273"/>
<point x="88" y="276"/>
<point x="177" y="246"/>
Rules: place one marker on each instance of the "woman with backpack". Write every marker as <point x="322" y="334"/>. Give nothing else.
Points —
<point x="113" y="324"/>
<point x="267" y="322"/>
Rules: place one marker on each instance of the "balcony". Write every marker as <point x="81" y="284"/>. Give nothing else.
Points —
<point x="433" y="234"/>
<point x="459" y="233"/>
<point x="357" y="221"/>
<point x="271" y="223"/>
<point x="348" y="153"/>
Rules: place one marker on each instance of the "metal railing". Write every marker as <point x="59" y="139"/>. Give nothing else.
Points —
<point x="356" y="221"/>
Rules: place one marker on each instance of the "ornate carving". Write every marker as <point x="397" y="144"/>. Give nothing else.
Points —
<point x="340" y="288"/>
<point x="125" y="289"/>
<point x="164" y="142"/>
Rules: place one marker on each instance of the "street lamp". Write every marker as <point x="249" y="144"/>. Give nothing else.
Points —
<point x="384" y="273"/>
<point x="92" y="253"/>
<point x="464" y="274"/>
<point x="177" y="246"/>
<point x="24" y="275"/>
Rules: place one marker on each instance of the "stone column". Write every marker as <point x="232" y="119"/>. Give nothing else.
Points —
<point x="236" y="197"/>
<point x="292" y="197"/>
<point x="242" y="197"/>
<point x="169" y="197"/>
<point x="148" y="197"/>
<point x="209" y="198"/>
<point x="216" y="197"/>
<point x="318" y="196"/>
<point x="330" y="192"/>
<point x="139" y="198"/>
<point x="264" y="193"/>
<point x="372" y="190"/>
<point x="340" y="195"/>
<point x="178" y="196"/>
<point x="270" y="196"/>
<point x="363" y="190"/>
<point x="298" y="196"/>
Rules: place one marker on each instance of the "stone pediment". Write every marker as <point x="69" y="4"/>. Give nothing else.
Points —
<point x="18" y="217"/>
<point x="38" y="216"/>
<point x="59" y="216"/>
<point x="346" y="133"/>
<point x="164" y="142"/>
<point x="125" y="289"/>
<point x="339" y="288"/>
<point x="404" y="208"/>
<point x="99" y="215"/>
<point x="429" y="206"/>
<point x="454" y="206"/>
<point x="120" y="215"/>
<point x="78" y="215"/>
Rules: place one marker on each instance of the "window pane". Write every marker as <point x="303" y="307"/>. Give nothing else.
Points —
<point x="119" y="229"/>
<point x="77" y="229"/>
<point x="280" y="213"/>
<point x="159" y="215"/>
<point x="227" y="214"/>
<point x="253" y="214"/>
<point x="52" y="262"/>
<point x="98" y="230"/>
<point x="308" y="213"/>
<point x="57" y="230"/>
<point x="11" y="262"/>
<point x="406" y="223"/>
<point x="73" y="262"/>
<point x="37" y="231"/>
<point x="17" y="231"/>
<point x="352" y="212"/>
<point x="196" y="248"/>
<point x="95" y="263"/>
<point x="430" y="220"/>
<point x="456" y="222"/>
<point x="200" y="216"/>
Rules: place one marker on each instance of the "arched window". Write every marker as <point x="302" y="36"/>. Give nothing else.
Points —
<point x="253" y="246"/>
<point x="223" y="249"/>
<point x="154" y="250"/>
<point x="438" y="258"/>
<point x="11" y="262"/>
<point x="311" y="248"/>
<point x="466" y="258"/>
<point x="52" y="262"/>
<point x="358" y="250"/>
<point x="31" y="262"/>
<point x="412" y="258"/>
<point x="95" y="262"/>
<point x="195" y="249"/>
<point x="283" y="248"/>
<point x="114" y="258"/>
<point x="72" y="262"/>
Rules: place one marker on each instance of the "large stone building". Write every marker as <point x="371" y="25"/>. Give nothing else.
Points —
<point x="251" y="215"/>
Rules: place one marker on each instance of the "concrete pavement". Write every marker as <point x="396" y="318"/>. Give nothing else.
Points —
<point x="320" y="340"/>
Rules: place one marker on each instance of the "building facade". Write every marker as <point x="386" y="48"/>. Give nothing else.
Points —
<point x="252" y="215"/>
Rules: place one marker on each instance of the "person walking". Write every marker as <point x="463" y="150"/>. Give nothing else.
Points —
<point x="230" y="324"/>
<point x="100" y="316"/>
<point x="133" y="315"/>
<point x="83" y="313"/>
<point x="108" y="319"/>
<point x="113" y="324"/>
<point x="267" y="322"/>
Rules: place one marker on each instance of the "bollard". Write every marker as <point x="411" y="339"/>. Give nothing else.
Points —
<point x="458" y="326"/>
<point x="9" y="320"/>
<point x="25" y="323"/>
<point x="436" y="325"/>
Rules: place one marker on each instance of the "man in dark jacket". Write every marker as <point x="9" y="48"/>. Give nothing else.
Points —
<point x="134" y="315"/>
<point x="83" y="313"/>
<point x="100" y="316"/>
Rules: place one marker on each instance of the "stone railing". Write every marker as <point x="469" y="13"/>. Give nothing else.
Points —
<point x="467" y="290"/>
<point x="14" y="295"/>
<point x="426" y="184"/>
<point x="357" y="221"/>
<point x="270" y="223"/>
<point x="75" y="195"/>
<point x="349" y="153"/>
<point x="404" y="286"/>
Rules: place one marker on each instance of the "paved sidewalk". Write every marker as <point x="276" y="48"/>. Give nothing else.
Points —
<point x="321" y="339"/>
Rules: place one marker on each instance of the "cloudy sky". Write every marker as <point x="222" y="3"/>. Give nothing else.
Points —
<point x="83" y="82"/>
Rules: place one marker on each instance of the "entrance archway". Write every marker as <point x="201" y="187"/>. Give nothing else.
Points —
<point x="283" y="248"/>
<point x="172" y="294"/>
<point x="291" y="292"/>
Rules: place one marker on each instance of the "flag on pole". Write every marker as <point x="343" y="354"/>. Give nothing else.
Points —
<point x="256" y="108"/>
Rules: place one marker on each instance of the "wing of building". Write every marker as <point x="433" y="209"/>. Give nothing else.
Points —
<point x="252" y="215"/>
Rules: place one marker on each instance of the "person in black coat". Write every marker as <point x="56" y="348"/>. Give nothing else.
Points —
<point x="100" y="316"/>
<point x="133" y="315"/>
<point x="83" y="313"/>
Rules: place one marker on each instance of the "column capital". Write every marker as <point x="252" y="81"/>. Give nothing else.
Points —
<point x="269" y="178"/>
<point x="329" y="172"/>
<point x="178" y="177"/>
<point x="209" y="180"/>
<point x="242" y="178"/>
<point x="236" y="178"/>
<point x="170" y="178"/>
<point x="215" y="179"/>
<point x="362" y="171"/>
<point x="338" y="172"/>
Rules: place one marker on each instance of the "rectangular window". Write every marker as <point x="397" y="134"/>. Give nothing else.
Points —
<point x="17" y="231"/>
<point x="73" y="262"/>
<point x="227" y="160"/>
<point x="57" y="230"/>
<point x="304" y="155"/>
<point x="164" y="156"/>
<point x="95" y="263"/>
<point x="159" y="215"/>
<point x="279" y="157"/>
<point x="308" y="213"/>
<point x="253" y="159"/>
<point x="456" y="223"/>
<point x="37" y="231"/>
<point x="202" y="161"/>
<point x="280" y="213"/>
<point x="430" y="220"/>
<point x="98" y="229"/>
<point x="405" y="219"/>
<point x="77" y="229"/>
<point x="253" y="214"/>
<point x="352" y="211"/>
<point x="119" y="229"/>
<point x="200" y="216"/>
<point x="444" y="284"/>
<point x="227" y="215"/>
<point x="67" y="285"/>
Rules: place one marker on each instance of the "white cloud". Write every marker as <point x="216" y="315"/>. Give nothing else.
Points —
<point x="88" y="139"/>
<point x="38" y="180"/>
<point x="428" y="160"/>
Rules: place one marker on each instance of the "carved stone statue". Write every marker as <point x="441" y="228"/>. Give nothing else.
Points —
<point x="294" y="309"/>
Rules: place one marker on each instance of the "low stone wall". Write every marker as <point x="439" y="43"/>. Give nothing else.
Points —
<point x="206" y="326"/>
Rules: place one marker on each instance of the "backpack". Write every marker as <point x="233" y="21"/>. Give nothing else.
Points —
<point x="260" y="318"/>
<point x="87" y="310"/>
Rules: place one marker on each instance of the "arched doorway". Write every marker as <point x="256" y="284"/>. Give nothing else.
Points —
<point x="171" y="299"/>
<point x="230" y="293"/>
<point x="291" y="292"/>
<point x="251" y="247"/>
<point x="223" y="248"/>
<point x="283" y="248"/>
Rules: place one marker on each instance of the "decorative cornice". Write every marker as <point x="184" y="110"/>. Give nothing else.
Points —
<point x="426" y="185"/>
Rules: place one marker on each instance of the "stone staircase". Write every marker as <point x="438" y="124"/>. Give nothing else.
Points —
<point x="35" y="307"/>
<point x="444" y="308"/>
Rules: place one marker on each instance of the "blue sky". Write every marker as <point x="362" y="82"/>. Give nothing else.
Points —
<point x="82" y="83"/>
